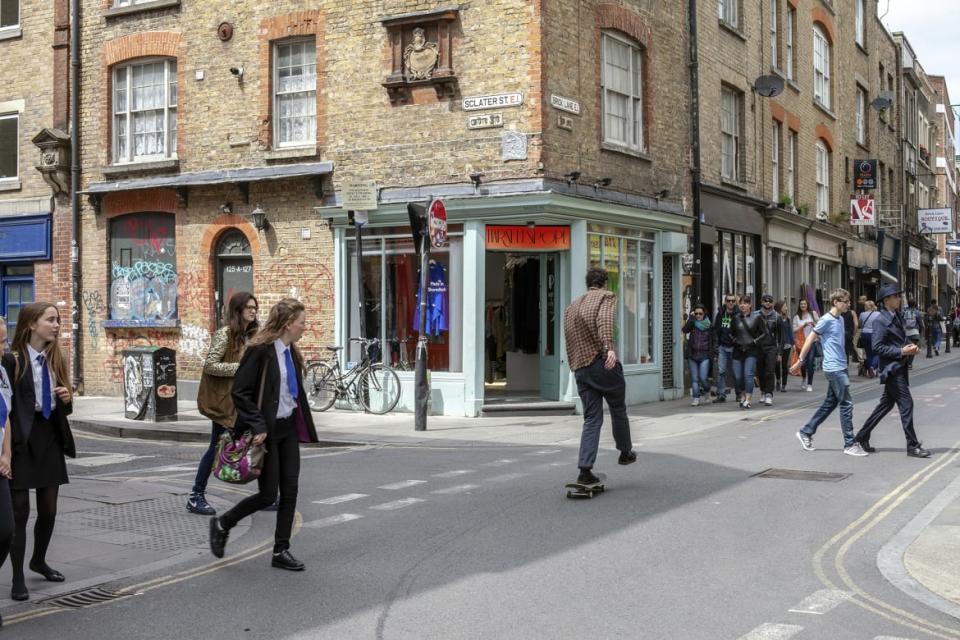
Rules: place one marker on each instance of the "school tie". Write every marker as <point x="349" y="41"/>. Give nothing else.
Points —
<point x="291" y="374"/>
<point x="3" y="413"/>
<point x="46" y="398"/>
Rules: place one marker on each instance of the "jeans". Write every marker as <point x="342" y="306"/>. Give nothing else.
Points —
<point x="699" y="375"/>
<point x="838" y="394"/>
<point x="937" y="336"/>
<point x="873" y="360"/>
<point x="206" y="462"/>
<point x="724" y="356"/>
<point x="808" y="366"/>
<point x="596" y="383"/>
<point x="743" y="371"/>
<point x="281" y="470"/>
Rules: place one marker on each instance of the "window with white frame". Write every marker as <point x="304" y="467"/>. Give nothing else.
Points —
<point x="774" y="40"/>
<point x="145" y="111"/>
<point x="775" y="162"/>
<point x="9" y="14"/>
<point x="861" y="116"/>
<point x="791" y="166"/>
<point x="729" y="134"/>
<point x="823" y="181"/>
<point x="859" y="20"/>
<point x="821" y="67"/>
<point x="622" y="93"/>
<point x="728" y="12"/>
<point x="9" y="146"/>
<point x="295" y="93"/>
<point x="788" y="38"/>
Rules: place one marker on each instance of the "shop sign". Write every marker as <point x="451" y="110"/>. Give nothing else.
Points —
<point x="865" y="174"/>
<point x="359" y="195"/>
<point x="934" y="221"/>
<point x="496" y="101"/>
<point x="862" y="212"/>
<point x="438" y="224"/>
<point x="953" y="245"/>
<point x="914" y="259"/>
<point x="956" y="263"/>
<point x="565" y="104"/>
<point x="485" y="121"/>
<point x="523" y="238"/>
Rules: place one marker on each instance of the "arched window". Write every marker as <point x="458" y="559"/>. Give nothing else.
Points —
<point x="234" y="268"/>
<point x="821" y="67"/>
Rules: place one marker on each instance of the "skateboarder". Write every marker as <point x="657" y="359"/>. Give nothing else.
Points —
<point x="588" y="329"/>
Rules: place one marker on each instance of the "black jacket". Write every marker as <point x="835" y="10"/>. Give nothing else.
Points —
<point x="887" y="341"/>
<point x="748" y="331"/>
<point x="24" y="406"/>
<point x="723" y="327"/>
<point x="246" y="390"/>
<point x="772" y="338"/>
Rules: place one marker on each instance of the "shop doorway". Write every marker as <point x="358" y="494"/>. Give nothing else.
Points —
<point x="522" y="327"/>
<point x="234" y="269"/>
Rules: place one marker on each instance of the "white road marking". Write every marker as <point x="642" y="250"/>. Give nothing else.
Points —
<point x="890" y="638"/>
<point x="771" y="631"/>
<point x="332" y="520"/>
<point x="454" y="474"/>
<point x="498" y="463"/>
<point x="105" y="459"/>
<point x="545" y="452"/>
<point x="347" y="497"/>
<point x="397" y="504"/>
<point x="402" y="485"/>
<point x="338" y="452"/>
<point x="460" y="488"/>
<point x="823" y="601"/>
<point x="507" y="477"/>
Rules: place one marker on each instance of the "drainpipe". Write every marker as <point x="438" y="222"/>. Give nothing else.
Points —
<point x="695" y="169"/>
<point x="75" y="189"/>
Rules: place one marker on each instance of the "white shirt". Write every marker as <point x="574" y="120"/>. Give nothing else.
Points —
<point x="287" y="404"/>
<point x="38" y="379"/>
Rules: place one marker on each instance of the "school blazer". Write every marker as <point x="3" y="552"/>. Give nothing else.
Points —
<point x="24" y="403"/>
<point x="888" y="339"/>
<point x="246" y="390"/>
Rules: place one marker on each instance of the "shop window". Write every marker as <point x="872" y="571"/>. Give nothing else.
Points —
<point x="738" y="272"/>
<point x="629" y="263"/>
<point x="143" y="264"/>
<point x="9" y="147"/>
<point x="295" y="93"/>
<point x="145" y="111"/>
<point x="391" y="311"/>
<point x="16" y="291"/>
<point x="622" y="94"/>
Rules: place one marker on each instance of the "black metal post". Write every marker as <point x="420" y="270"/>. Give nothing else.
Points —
<point x="75" y="232"/>
<point x="421" y="385"/>
<point x="695" y="150"/>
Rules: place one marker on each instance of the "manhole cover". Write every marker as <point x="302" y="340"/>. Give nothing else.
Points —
<point x="794" y="474"/>
<point x="85" y="598"/>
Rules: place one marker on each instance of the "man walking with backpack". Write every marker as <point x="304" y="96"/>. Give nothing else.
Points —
<point x="912" y="324"/>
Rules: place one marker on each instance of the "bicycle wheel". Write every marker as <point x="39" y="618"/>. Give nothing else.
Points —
<point x="379" y="389"/>
<point x="321" y="386"/>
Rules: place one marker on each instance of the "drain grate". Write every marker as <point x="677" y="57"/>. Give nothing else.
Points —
<point x="794" y="474"/>
<point x="85" y="598"/>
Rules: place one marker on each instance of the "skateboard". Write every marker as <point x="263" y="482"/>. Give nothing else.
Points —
<point x="576" y="490"/>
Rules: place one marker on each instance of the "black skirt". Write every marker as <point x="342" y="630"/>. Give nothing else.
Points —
<point x="40" y="461"/>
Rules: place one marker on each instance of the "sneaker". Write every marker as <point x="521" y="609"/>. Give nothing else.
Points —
<point x="719" y="399"/>
<point x="744" y="404"/>
<point x="805" y="441"/>
<point x="197" y="503"/>
<point x="274" y="506"/>
<point x="936" y="351"/>
<point x="855" y="450"/>
<point x="695" y="403"/>
<point x="768" y="400"/>
<point x="627" y="458"/>
<point x="586" y="477"/>
<point x="809" y="387"/>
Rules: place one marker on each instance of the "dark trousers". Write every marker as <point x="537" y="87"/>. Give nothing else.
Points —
<point x="281" y="470"/>
<point x="896" y="390"/>
<point x="206" y="462"/>
<point x="595" y="383"/>
<point x="915" y="339"/>
<point x="767" y="369"/>
<point x="783" y="367"/>
<point x="6" y="519"/>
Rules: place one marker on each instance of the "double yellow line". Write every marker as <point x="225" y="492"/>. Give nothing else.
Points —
<point x="843" y="541"/>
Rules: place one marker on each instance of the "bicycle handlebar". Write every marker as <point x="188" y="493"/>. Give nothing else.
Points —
<point x="365" y="341"/>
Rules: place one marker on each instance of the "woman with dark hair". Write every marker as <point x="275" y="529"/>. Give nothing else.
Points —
<point x="41" y="435"/>
<point x="698" y="349"/>
<point x="268" y="396"/>
<point x="803" y="324"/>
<point x="783" y="360"/>
<point x="216" y="382"/>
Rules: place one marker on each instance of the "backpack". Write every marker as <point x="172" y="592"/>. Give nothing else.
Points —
<point x="910" y="319"/>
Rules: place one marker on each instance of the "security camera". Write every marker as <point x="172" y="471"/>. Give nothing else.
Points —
<point x="237" y="71"/>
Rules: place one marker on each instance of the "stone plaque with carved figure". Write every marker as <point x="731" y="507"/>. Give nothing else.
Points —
<point x="420" y="57"/>
<point x="513" y="146"/>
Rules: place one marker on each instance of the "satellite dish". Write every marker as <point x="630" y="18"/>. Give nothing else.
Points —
<point x="881" y="102"/>
<point x="768" y="86"/>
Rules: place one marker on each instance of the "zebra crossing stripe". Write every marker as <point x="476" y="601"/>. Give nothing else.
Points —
<point x="332" y="520"/>
<point x="460" y="488"/>
<point x="338" y="499"/>
<point x="397" y="504"/>
<point x="402" y="485"/>
<point x="772" y="631"/>
<point x="823" y="601"/>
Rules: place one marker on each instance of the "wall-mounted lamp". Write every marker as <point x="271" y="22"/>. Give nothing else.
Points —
<point x="602" y="182"/>
<point x="259" y="219"/>
<point x="226" y="207"/>
<point x="572" y="177"/>
<point x="476" y="179"/>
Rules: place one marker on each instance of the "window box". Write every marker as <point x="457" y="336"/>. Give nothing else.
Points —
<point x="138" y="7"/>
<point x="10" y="185"/>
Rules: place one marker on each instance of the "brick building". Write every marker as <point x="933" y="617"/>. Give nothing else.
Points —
<point x="35" y="215"/>
<point x="197" y="116"/>
<point x="943" y="152"/>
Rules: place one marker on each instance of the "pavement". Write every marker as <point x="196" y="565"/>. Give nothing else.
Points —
<point x="118" y="524"/>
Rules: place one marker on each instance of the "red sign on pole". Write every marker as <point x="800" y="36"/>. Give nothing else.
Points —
<point x="438" y="223"/>
<point x="862" y="212"/>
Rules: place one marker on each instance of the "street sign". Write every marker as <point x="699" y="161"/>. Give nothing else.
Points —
<point x="438" y="223"/>
<point x="953" y="245"/>
<point x="485" y="120"/>
<point x="359" y="195"/>
<point x="496" y="101"/>
<point x="956" y="262"/>
<point x="865" y="174"/>
<point x="862" y="212"/>
<point x="933" y="221"/>
<point x="564" y="104"/>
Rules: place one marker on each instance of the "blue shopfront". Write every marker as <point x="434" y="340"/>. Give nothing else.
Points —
<point x="23" y="241"/>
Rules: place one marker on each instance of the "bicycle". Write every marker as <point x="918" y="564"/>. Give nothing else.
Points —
<point x="402" y="364"/>
<point x="372" y="385"/>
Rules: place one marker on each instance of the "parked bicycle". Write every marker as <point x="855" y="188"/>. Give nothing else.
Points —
<point x="370" y="384"/>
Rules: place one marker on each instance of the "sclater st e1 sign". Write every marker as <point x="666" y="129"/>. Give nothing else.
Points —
<point x="565" y="104"/>
<point x="496" y="101"/>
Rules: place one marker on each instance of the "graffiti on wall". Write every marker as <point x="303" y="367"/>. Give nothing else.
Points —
<point x="194" y="340"/>
<point x="147" y="290"/>
<point x="93" y="303"/>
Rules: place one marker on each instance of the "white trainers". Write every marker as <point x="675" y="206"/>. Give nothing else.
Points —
<point x="695" y="403"/>
<point x="809" y="387"/>
<point x="855" y="450"/>
<point x="805" y="441"/>
<point x="768" y="400"/>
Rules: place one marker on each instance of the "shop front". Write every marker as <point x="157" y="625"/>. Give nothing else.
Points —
<point x="799" y="252"/>
<point x="497" y="291"/>
<point x="25" y="239"/>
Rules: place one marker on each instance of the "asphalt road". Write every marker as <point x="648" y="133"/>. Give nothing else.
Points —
<point x="480" y="542"/>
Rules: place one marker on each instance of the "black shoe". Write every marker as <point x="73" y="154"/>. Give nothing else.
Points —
<point x="719" y="399"/>
<point x="865" y="445"/>
<point x="51" y="575"/>
<point x="627" y="458"/>
<point x="274" y="506"/>
<point x="218" y="537"/>
<point x="19" y="592"/>
<point x="586" y="477"/>
<point x="917" y="452"/>
<point x="285" y="560"/>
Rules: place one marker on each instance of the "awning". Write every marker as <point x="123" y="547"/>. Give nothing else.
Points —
<point x="214" y="176"/>
<point x="884" y="276"/>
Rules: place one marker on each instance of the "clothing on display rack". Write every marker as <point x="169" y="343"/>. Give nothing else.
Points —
<point x="438" y="311"/>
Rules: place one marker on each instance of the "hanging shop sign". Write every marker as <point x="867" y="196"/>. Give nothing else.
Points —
<point x="565" y="104"/>
<point x="913" y="261"/>
<point x="862" y="212"/>
<point x="865" y="174"/>
<point x="496" y="101"/>
<point x="438" y="224"/>
<point x="524" y="238"/>
<point x="933" y="221"/>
